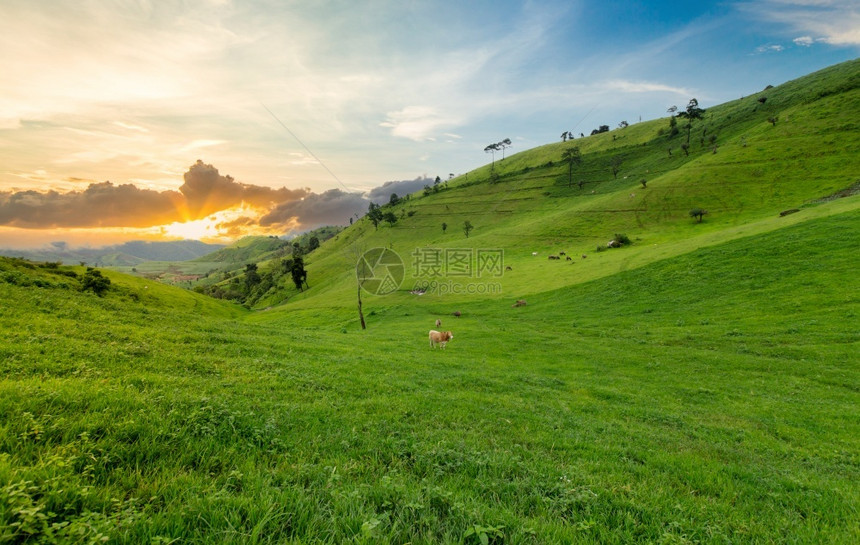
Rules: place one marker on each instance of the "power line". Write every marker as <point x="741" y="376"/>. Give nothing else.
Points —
<point x="317" y="159"/>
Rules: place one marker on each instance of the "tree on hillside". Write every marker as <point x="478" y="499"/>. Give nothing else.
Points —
<point x="374" y="213"/>
<point x="394" y="199"/>
<point x="296" y="268"/>
<point x="565" y="135"/>
<point x="698" y="213"/>
<point x="313" y="244"/>
<point x="623" y="125"/>
<point x="390" y="218"/>
<point x="467" y="227"/>
<point x="492" y="148"/>
<point x="571" y="156"/>
<point x="252" y="277"/>
<point x="692" y="112"/>
<point x="506" y="143"/>
<point x="673" y="126"/>
<point x="615" y="165"/>
<point x="93" y="280"/>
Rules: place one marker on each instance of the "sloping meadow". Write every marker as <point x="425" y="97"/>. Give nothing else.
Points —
<point x="709" y="397"/>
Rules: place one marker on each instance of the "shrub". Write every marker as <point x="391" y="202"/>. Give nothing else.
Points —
<point x="93" y="280"/>
<point x="16" y="278"/>
<point x="622" y="239"/>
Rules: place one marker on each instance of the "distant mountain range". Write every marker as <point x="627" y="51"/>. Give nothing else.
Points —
<point x="127" y="254"/>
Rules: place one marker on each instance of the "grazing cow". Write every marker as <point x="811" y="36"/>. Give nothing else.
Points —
<point x="584" y="256"/>
<point x="562" y="253"/>
<point x="613" y="244"/>
<point x="519" y="303"/>
<point x="569" y="258"/>
<point x="457" y="313"/>
<point x="438" y="322"/>
<point x="440" y="338"/>
<point x="508" y="268"/>
<point x="534" y="253"/>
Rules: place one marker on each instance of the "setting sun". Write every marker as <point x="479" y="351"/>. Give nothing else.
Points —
<point x="201" y="229"/>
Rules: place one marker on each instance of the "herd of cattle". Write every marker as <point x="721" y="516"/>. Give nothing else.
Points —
<point x="567" y="257"/>
<point x="441" y="338"/>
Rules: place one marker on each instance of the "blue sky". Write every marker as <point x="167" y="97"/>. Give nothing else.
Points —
<point x="137" y="91"/>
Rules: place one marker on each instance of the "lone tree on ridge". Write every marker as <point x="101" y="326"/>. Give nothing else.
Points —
<point x="571" y="156"/>
<point x="698" y="213"/>
<point x="692" y="112"/>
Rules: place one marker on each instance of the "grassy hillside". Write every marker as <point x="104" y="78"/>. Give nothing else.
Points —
<point x="198" y="269"/>
<point x="760" y="169"/>
<point x="697" y="386"/>
<point x="689" y="400"/>
<point x="246" y="249"/>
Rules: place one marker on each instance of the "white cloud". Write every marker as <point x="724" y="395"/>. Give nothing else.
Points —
<point x="130" y="126"/>
<point x="775" y="48"/>
<point x="645" y="87"/>
<point x="299" y="159"/>
<point x="417" y="123"/>
<point x="805" y="41"/>
<point x="836" y="21"/>
<point x="199" y="144"/>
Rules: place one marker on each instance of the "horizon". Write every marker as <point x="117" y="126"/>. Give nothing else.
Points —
<point x="214" y="120"/>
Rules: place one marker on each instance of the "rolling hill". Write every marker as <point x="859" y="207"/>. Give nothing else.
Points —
<point x="699" y="385"/>
<point x="126" y="254"/>
<point x="786" y="148"/>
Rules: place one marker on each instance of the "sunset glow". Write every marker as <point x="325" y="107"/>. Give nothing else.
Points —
<point x="106" y="108"/>
<point x="204" y="230"/>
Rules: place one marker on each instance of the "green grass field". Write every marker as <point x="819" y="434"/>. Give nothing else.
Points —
<point x="685" y="401"/>
<point x="698" y="386"/>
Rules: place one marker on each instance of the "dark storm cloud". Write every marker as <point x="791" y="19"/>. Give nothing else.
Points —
<point x="100" y="205"/>
<point x="204" y="192"/>
<point x="382" y="194"/>
<point x="332" y="207"/>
